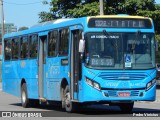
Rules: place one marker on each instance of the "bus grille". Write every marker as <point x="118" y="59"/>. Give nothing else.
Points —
<point x="123" y="76"/>
<point x="114" y="93"/>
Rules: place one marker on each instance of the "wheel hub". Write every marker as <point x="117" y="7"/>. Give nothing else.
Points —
<point x="23" y="96"/>
<point x="67" y="99"/>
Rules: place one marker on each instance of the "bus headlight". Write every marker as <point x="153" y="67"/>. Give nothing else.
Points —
<point x="89" y="82"/>
<point x="93" y="84"/>
<point x="150" y="84"/>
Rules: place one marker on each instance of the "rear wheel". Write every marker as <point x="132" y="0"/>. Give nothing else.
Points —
<point x="126" y="107"/>
<point x="26" y="102"/>
<point x="24" y="96"/>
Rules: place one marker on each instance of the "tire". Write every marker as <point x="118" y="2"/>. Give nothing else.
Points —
<point x="68" y="104"/>
<point x="63" y="96"/>
<point x="24" y="96"/>
<point x="26" y="102"/>
<point x="126" y="107"/>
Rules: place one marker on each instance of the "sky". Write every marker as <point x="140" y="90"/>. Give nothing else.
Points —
<point x="157" y="1"/>
<point x="23" y="13"/>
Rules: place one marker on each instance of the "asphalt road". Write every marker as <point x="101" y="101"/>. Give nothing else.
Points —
<point x="12" y="103"/>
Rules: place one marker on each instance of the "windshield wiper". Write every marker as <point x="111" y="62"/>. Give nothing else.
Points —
<point x="114" y="44"/>
<point x="135" y="41"/>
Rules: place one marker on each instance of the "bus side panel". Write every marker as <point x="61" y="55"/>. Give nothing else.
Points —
<point x="55" y="72"/>
<point x="28" y="70"/>
<point x="33" y="79"/>
<point x="11" y="78"/>
<point x="53" y="89"/>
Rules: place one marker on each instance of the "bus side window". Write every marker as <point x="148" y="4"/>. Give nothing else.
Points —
<point x="63" y="42"/>
<point x="24" y="47"/>
<point x="7" y="49"/>
<point x="33" y="46"/>
<point x="15" y="49"/>
<point x="53" y="36"/>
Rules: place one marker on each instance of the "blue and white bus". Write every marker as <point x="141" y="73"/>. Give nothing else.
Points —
<point x="98" y="59"/>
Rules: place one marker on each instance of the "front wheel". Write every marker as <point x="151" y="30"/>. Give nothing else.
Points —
<point x="68" y="104"/>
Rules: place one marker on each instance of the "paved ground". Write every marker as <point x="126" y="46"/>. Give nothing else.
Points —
<point x="158" y="94"/>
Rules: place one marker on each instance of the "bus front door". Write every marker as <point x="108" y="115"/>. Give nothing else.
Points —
<point x="75" y="63"/>
<point x="41" y="66"/>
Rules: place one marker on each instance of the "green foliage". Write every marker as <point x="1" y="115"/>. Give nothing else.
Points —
<point x="128" y="6"/>
<point x="155" y="15"/>
<point x="89" y="9"/>
<point x="157" y="6"/>
<point x="60" y="8"/>
<point x="46" y="16"/>
<point x="74" y="8"/>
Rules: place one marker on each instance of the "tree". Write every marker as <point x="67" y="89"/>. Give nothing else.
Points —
<point x="155" y="15"/>
<point x="74" y="8"/>
<point x="81" y="10"/>
<point x="59" y="9"/>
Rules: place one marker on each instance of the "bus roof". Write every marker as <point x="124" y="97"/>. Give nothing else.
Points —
<point x="118" y="16"/>
<point x="51" y="22"/>
<point x="40" y="27"/>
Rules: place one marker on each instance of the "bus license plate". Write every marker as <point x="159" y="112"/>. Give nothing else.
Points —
<point x="123" y="94"/>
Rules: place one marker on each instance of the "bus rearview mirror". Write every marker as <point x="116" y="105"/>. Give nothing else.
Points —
<point x="81" y="46"/>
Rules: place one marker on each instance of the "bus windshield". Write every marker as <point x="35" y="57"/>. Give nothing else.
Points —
<point x="120" y="50"/>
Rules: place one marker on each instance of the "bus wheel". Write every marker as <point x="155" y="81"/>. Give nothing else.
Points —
<point x="69" y="105"/>
<point x="24" y="96"/>
<point x="126" y="107"/>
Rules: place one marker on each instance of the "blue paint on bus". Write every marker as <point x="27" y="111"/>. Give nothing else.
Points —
<point x="102" y="79"/>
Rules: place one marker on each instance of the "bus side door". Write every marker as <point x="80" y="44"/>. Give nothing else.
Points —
<point x="42" y="65"/>
<point x="76" y="67"/>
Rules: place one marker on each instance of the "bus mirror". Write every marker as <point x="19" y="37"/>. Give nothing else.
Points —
<point x="81" y="46"/>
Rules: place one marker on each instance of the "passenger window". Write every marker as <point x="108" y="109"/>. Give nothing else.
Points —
<point x="24" y="47"/>
<point x="63" y="42"/>
<point x="33" y="46"/>
<point x="15" y="48"/>
<point x="7" y="49"/>
<point x="52" y="43"/>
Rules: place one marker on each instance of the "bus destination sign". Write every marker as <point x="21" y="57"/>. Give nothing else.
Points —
<point x="119" y="23"/>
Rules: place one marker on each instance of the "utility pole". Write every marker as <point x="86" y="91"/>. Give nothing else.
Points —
<point x="2" y="18"/>
<point x="101" y="7"/>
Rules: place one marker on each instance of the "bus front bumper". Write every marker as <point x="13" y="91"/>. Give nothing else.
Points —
<point x="90" y="94"/>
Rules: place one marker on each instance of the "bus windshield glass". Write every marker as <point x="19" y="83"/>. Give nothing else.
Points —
<point x="120" y="50"/>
